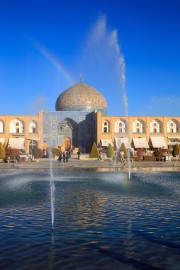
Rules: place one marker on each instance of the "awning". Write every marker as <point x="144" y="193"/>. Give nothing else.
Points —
<point x="17" y="143"/>
<point x="106" y="142"/>
<point x="2" y="140"/>
<point x="173" y="140"/>
<point x="158" y="142"/>
<point x="140" y="143"/>
<point x="119" y="141"/>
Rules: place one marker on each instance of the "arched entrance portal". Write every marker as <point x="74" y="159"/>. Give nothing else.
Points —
<point x="67" y="143"/>
<point x="67" y="133"/>
<point x="33" y="145"/>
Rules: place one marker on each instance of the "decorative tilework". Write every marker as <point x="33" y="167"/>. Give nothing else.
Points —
<point x="81" y="97"/>
<point x="82" y="119"/>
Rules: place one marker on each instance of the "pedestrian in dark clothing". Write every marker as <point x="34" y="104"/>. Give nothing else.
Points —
<point x="64" y="157"/>
<point x="60" y="157"/>
<point x="67" y="156"/>
<point x="78" y="153"/>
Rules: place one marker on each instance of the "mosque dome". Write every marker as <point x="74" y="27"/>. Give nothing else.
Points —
<point x="81" y="97"/>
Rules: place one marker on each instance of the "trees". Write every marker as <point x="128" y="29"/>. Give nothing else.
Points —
<point x="94" y="151"/>
<point x="55" y="152"/>
<point x="110" y="151"/>
<point x="2" y="151"/>
<point x="12" y="152"/>
<point x="124" y="150"/>
<point x="176" y="150"/>
<point x="158" y="154"/>
<point x="37" y="153"/>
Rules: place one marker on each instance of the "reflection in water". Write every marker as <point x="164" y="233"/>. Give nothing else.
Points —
<point x="103" y="221"/>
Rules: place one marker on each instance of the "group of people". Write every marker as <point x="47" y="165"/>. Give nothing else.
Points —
<point x="64" y="156"/>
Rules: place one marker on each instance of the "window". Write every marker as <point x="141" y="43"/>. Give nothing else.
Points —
<point x="105" y="127"/>
<point x="16" y="126"/>
<point x="155" y="126"/>
<point x="119" y="126"/>
<point x="1" y="126"/>
<point x="138" y="126"/>
<point x="32" y="127"/>
<point x="33" y="130"/>
<point x="53" y="126"/>
<point x="172" y="126"/>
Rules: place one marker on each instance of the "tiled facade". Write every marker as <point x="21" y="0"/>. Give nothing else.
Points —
<point x="81" y="97"/>
<point x="77" y="127"/>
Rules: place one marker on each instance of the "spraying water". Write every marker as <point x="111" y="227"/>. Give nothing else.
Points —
<point x="48" y="137"/>
<point x="125" y="101"/>
<point x="102" y="56"/>
<point x="52" y="191"/>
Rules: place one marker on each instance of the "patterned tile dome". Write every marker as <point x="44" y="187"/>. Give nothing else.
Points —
<point x="81" y="97"/>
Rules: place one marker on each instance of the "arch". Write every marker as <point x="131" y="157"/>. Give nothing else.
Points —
<point x="32" y="126"/>
<point x="120" y="126"/>
<point x="1" y="126"/>
<point x="16" y="126"/>
<point x="156" y="126"/>
<point x="53" y="126"/>
<point x="105" y="126"/>
<point x="139" y="126"/>
<point x="67" y="143"/>
<point x="68" y="130"/>
<point x="33" y="145"/>
<point x="173" y="126"/>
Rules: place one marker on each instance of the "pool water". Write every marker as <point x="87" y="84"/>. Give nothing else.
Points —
<point x="102" y="220"/>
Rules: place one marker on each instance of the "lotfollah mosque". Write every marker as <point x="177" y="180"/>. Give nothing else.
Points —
<point x="80" y="119"/>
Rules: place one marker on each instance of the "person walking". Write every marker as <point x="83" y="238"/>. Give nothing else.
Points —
<point x="64" y="157"/>
<point x="78" y="153"/>
<point x="60" y="157"/>
<point x="67" y="156"/>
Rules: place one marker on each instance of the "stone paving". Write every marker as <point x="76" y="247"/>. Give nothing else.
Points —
<point x="94" y="163"/>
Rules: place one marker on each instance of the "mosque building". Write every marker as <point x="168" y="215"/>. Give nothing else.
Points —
<point x="80" y="118"/>
<point x="73" y="124"/>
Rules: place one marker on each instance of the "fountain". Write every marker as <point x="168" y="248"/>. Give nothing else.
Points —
<point x="102" y="55"/>
<point x="52" y="190"/>
<point x="101" y="220"/>
<point x="49" y="140"/>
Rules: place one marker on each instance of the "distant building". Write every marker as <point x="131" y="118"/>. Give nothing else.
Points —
<point x="23" y="132"/>
<point x="148" y="132"/>
<point x="81" y="119"/>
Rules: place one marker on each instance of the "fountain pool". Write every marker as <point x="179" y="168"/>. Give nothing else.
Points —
<point x="102" y="220"/>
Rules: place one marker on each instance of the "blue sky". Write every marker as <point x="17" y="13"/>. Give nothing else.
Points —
<point x="46" y="44"/>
